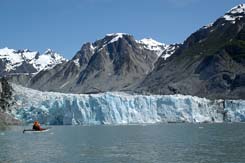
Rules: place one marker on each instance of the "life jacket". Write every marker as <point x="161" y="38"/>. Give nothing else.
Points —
<point x="36" y="127"/>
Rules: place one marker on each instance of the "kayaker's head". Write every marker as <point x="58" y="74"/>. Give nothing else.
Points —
<point x="36" y="123"/>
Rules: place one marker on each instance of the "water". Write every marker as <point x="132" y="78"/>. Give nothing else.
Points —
<point x="162" y="143"/>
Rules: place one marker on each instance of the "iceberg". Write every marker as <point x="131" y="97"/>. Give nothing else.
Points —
<point x="120" y="108"/>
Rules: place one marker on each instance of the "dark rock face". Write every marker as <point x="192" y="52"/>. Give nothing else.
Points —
<point x="23" y="68"/>
<point x="5" y="104"/>
<point x="5" y="95"/>
<point x="210" y="63"/>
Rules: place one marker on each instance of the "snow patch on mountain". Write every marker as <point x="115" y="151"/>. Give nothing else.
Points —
<point x="29" y="55"/>
<point x="76" y="61"/>
<point x="238" y="9"/>
<point x="11" y="58"/>
<point x="48" y="60"/>
<point x="116" y="36"/>
<point x="161" y="49"/>
<point x="153" y="45"/>
<point x="235" y="13"/>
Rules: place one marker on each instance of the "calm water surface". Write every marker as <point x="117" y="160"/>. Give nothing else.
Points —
<point x="162" y="143"/>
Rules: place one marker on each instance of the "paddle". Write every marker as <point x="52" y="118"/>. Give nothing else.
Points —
<point x="28" y="130"/>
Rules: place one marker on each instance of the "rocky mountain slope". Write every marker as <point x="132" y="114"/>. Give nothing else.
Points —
<point x="116" y="62"/>
<point x="210" y="63"/>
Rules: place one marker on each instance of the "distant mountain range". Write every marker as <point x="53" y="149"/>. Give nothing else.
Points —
<point x="26" y="61"/>
<point x="116" y="62"/>
<point x="210" y="63"/>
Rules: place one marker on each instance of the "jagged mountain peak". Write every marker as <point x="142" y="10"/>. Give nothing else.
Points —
<point x="103" y="42"/>
<point x="162" y="50"/>
<point x="27" y="61"/>
<point x="49" y="51"/>
<point x="114" y="37"/>
<point x="237" y="9"/>
<point x="117" y="35"/>
<point x="232" y="16"/>
<point x="48" y="60"/>
<point x="54" y="55"/>
<point x="88" y="49"/>
<point x="153" y="45"/>
<point x="236" y="13"/>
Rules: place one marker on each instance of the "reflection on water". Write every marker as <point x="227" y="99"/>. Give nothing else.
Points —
<point x="170" y="143"/>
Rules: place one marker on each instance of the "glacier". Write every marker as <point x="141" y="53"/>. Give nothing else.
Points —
<point x="120" y="108"/>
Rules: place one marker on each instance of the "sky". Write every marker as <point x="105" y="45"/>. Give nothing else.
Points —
<point x="64" y="25"/>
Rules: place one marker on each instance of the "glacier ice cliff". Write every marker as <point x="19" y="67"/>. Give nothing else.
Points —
<point x="120" y="108"/>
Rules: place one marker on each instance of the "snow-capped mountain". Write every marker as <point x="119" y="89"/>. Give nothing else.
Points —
<point x="232" y="16"/>
<point x="210" y="63"/>
<point x="120" y="108"/>
<point x="26" y="61"/>
<point x="116" y="62"/>
<point x="160" y="49"/>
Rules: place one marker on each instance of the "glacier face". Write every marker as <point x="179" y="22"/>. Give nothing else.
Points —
<point x="235" y="110"/>
<point x="120" y="108"/>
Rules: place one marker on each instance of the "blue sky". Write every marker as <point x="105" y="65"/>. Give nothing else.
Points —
<point x="64" y="25"/>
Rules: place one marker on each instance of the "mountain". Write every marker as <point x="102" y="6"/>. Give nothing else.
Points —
<point x="210" y="63"/>
<point x="115" y="62"/>
<point x="26" y="61"/>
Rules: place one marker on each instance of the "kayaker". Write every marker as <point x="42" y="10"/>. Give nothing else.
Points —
<point x="36" y="126"/>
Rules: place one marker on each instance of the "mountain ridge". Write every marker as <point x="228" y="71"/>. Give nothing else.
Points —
<point x="118" y="59"/>
<point x="26" y="61"/>
<point x="210" y="63"/>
